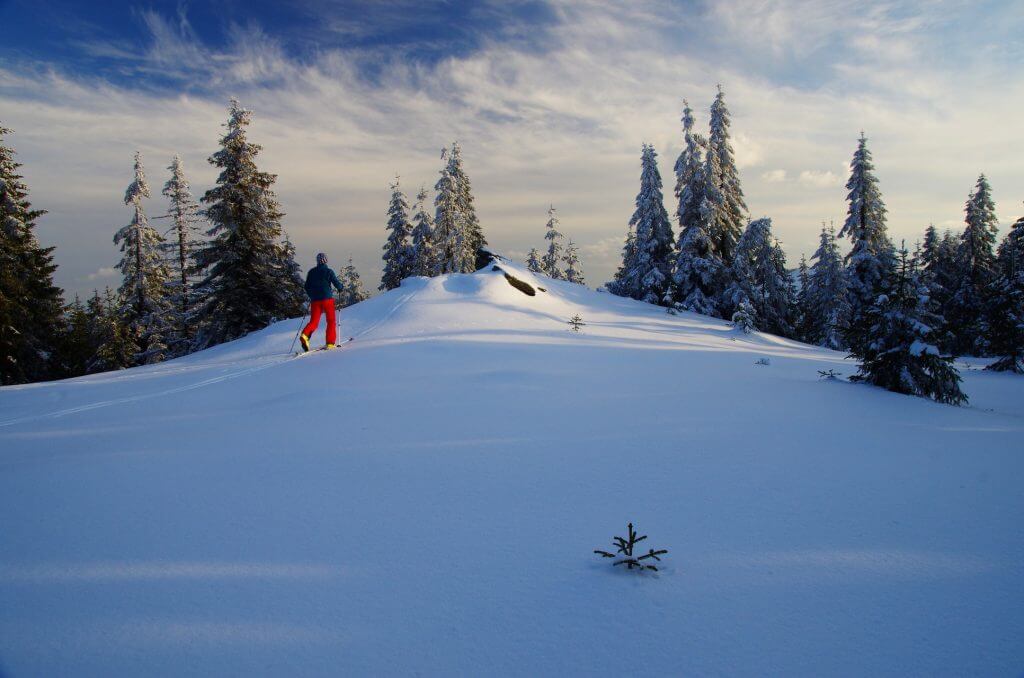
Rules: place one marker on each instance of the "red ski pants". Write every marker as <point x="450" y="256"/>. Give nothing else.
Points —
<point x="325" y="306"/>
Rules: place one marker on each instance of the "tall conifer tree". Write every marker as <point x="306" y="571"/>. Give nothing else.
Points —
<point x="573" y="267"/>
<point x="30" y="304"/>
<point x="727" y="181"/>
<point x="900" y="354"/>
<point x="116" y="347"/>
<point x="930" y="249"/>
<point x="399" y="256"/>
<point x="1004" y="323"/>
<point x="76" y="347"/>
<point x="976" y="270"/>
<point x="698" y="267"/>
<point x="353" y="291"/>
<point x="423" y="237"/>
<point x="871" y="261"/>
<point x="184" y="240"/>
<point x="937" y="273"/>
<point x="474" y="231"/>
<point x="553" y="257"/>
<point x="453" y="239"/>
<point x="687" y="167"/>
<point x="802" y="314"/>
<point x="249" y="272"/>
<point x="145" y="303"/>
<point x="761" y="287"/>
<point x="825" y="300"/>
<point x="619" y="284"/>
<point x="649" y="280"/>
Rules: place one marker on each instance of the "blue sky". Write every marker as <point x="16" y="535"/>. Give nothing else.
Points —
<point x="105" y="41"/>
<point x="550" y="100"/>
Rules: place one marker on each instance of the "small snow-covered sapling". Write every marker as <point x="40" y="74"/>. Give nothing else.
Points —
<point x="624" y="552"/>
<point x="576" y="322"/>
<point x="829" y="374"/>
<point x="763" y="361"/>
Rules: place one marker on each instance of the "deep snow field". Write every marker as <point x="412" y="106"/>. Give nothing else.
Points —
<point x="426" y="500"/>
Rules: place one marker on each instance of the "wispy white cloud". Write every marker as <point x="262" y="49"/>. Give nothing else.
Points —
<point x="563" y="126"/>
<point x="104" y="272"/>
<point x="605" y="252"/>
<point x="820" y="179"/>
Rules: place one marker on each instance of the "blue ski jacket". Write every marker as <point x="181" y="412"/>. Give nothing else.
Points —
<point x="319" y="281"/>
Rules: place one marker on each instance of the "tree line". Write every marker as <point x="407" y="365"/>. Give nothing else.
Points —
<point x="555" y="263"/>
<point x="182" y="290"/>
<point x="223" y="269"/>
<point x="227" y="268"/>
<point x="449" y="241"/>
<point x="903" y="315"/>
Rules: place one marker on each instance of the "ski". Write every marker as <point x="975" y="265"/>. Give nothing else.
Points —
<point x="324" y="348"/>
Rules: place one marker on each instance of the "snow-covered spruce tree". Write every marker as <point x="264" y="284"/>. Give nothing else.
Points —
<point x="1010" y="248"/>
<point x="183" y="240"/>
<point x="87" y="336"/>
<point x="294" y="270"/>
<point x="620" y="284"/>
<point x="145" y="303"/>
<point x="900" y="355"/>
<point x="825" y="300"/>
<point x="976" y="270"/>
<point x="423" y="237"/>
<point x="650" y="278"/>
<point x="549" y="264"/>
<point x="727" y="181"/>
<point x="573" y="267"/>
<point x="30" y="304"/>
<point x="929" y="257"/>
<point x="929" y="250"/>
<point x="76" y="347"/>
<point x="938" y="274"/>
<point x="688" y="164"/>
<point x="698" y="270"/>
<point x="353" y="287"/>
<point x="116" y="348"/>
<point x="474" y="232"/>
<point x="745" y="317"/>
<point x="803" y="278"/>
<point x="399" y="258"/>
<point x="871" y="261"/>
<point x="1004" y="323"/>
<point x="714" y="215"/>
<point x="248" y="271"/>
<point x="453" y="245"/>
<point x="761" y="281"/>
<point x="533" y="261"/>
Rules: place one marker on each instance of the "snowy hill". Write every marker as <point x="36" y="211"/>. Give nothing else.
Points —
<point x="426" y="501"/>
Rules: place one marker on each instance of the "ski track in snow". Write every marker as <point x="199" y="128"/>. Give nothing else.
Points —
<point x="190" y="387"/>
<point x="389" y="314"/>
<point x="140" y="398"/>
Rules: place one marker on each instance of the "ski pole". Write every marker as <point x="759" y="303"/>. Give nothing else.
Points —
<point x="291" y="349"/>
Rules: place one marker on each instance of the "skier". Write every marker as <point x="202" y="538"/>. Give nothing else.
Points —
<point x="321" y="300"/>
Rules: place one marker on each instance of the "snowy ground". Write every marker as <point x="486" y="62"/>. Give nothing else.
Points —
<point x="427" y="499"/>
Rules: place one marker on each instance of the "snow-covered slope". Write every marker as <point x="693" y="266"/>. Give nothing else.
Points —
<point x="427" y="500"/>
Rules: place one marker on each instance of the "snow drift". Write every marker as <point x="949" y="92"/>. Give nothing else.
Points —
<point x="427" y="499"/>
